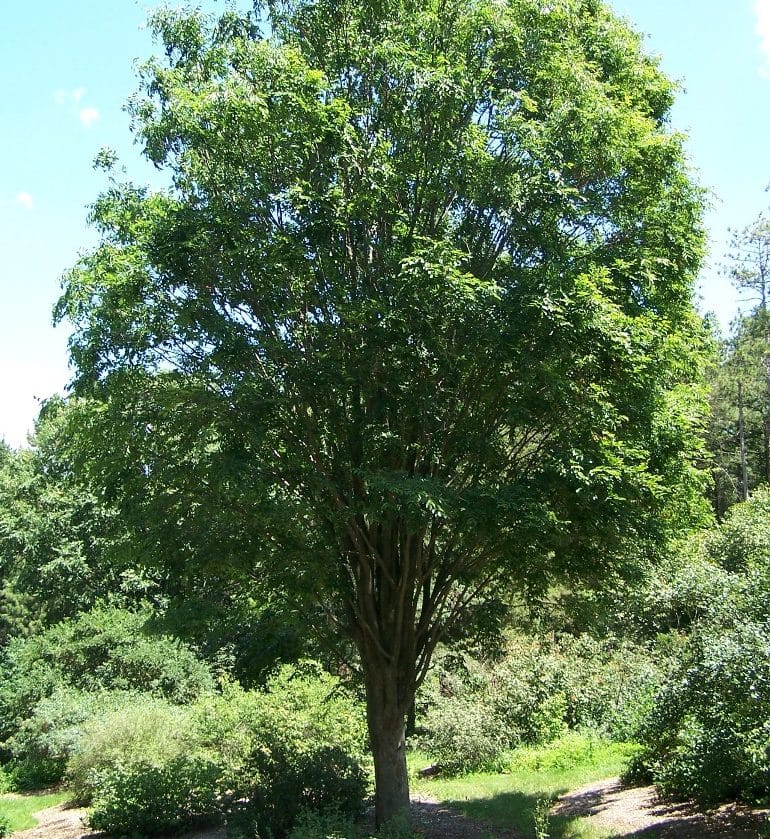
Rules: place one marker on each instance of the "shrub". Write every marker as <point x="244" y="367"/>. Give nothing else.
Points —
<point x="296" y="747"/>
<point x="5" y="825"/>
<point x="254" y="758"/>
<point x="108" y="648"/>
<point x="45" y="740"/>
<point x="329" y="825"/>
<point x="287" y="781"/>
<point x="707" y="735"/>
<point x="102" y="650"/>
<point x="145" y="733"/>
<point x="301" y="704"/>
<point x="471" y="713"/>
<point x="146" y="799"/>
<point x="464" y="736"/>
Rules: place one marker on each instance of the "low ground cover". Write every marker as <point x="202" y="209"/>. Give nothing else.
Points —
<point x="519" y="798"/>
<point x="16" y="810"/>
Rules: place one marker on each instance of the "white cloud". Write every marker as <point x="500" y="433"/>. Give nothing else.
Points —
<point x="72" y="100"/>
<point x="25" y="199"/>
<point x="88" y="116"/>
<point x="69" y="97"/>
<point x="762" y="13"/>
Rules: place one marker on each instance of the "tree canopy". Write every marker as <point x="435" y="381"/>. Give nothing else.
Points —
<point x="412" y="322"/>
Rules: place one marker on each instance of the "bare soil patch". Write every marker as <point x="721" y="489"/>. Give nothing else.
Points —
<point x="638" y="812"/>
<point x="65" y="822"/>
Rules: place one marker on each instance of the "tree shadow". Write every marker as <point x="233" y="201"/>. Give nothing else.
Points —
<point x="507" y="815"/>
<point x="615" y="803"/>
<point x="511" y="815"/>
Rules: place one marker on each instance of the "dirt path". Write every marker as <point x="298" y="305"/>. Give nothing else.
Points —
<point x="65" y="822"/>
<point x="634" y="813"/>
<point x="637" y="812"/>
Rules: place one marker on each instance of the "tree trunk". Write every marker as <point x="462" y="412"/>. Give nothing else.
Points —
<point x="742" y="444"/>
<point x="385" y="716"/>
<point x="767" y="413"/>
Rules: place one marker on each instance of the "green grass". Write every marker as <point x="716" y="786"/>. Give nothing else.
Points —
<point x="19" y="810"/>
<point x="510" y="799"/>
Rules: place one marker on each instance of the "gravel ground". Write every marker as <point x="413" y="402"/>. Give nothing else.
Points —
<point x="638" y="812"/>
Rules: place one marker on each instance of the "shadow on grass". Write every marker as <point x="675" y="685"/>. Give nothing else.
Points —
<point x="506" y="815"/>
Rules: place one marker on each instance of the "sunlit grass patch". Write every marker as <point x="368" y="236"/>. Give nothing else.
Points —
<point x="19" y="808"/>
<point x="532" y="774"/>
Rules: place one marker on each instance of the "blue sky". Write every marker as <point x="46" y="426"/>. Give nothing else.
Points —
<point x="68" y="68"/>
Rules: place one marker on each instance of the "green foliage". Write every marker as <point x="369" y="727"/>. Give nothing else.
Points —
<point x="5" y="824"/>
<point x="572" y="750"/>
<point x="151" y="799"/>
<point x="288" y="781"/>
<point x="298" y="745"/>
<point x="706" y="734"/>
<point x="540" y="818"/>
<point x="144" y="732"/>
<point x="329" y="825"/>
<point x="58" y="538"/>
<point x="52" y="731"/>
<point x="414" y="318"/>
<point x="254" y="758"/>
<point x="473" y="713"/>
<point x="105" y="649"/>
<point x="742" y="365"/>
<point x="464" y="736"/>
<point x="742" y="540"/>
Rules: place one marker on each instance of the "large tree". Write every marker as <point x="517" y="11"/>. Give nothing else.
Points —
<point x="413" y="320"/>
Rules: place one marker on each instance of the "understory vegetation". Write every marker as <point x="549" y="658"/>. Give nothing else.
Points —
<point x="665" y="677"/>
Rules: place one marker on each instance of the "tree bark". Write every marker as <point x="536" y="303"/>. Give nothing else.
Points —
<point x="742" y="444"/>
<point x="386" y="720"/>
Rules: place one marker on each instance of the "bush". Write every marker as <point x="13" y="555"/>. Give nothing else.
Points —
<point x="50" y="735"/>
<point x="329" y="825"/>
<point x="471" y="713"/>
<point x="297" y="747"/>
<point x="317" y="778"/>
<point x="707" y="736"/>
<point x="255" y="758"/>
<point x="147" y="799"/>
<point x="464" y="737"/>
<point x="5" y="825"/>
<point x="145" y="733"/>
<point x="102" y="650"/>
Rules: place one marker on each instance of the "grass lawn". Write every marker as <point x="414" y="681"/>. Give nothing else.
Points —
<point x="532" y="777"/>
<point x="19" y="809"/>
